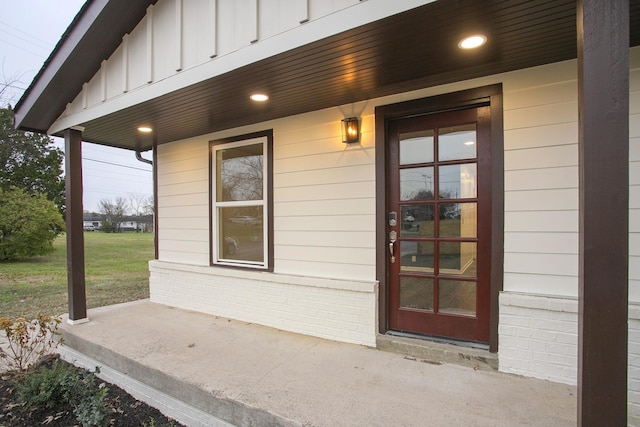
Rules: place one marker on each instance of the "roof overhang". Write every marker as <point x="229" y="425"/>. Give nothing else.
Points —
<point x="411" y="50"/>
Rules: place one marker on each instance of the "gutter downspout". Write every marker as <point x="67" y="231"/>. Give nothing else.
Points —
<point x="155" y="194"/>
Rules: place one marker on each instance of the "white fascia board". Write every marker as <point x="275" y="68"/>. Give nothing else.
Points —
<point x="357" y="15"/>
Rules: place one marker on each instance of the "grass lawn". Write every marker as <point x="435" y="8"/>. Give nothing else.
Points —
<point x="116" y="271"/>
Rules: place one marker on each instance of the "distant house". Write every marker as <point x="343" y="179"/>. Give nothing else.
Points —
<point x="479" y="198"/>
<point x="92" y="223"/>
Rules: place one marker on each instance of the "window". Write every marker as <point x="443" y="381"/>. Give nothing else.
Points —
<point x="241" y="201"/>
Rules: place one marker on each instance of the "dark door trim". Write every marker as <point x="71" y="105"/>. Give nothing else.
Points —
<point x="487" y="95"/>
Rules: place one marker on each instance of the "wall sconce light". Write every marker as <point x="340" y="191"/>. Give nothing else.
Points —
<point x="350" y="130"/>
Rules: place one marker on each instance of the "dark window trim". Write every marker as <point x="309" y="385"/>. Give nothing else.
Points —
<point x="487" y="95"/>
<point x="269" y="201"/>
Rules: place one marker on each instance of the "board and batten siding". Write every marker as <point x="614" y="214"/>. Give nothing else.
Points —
<point x="179" y="43"/>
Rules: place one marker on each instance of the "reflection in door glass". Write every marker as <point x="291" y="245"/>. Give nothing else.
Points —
<point x="416" y="147"/>
<point x="457" y="142"/>
<point x="416" y="183"/>
<point x="417" y="221"/>
<point x="459" y="258"/>
<point x="458" y="181"/>
<point x="458" y="220"/>
<point x="416" y="256"/>
<point x="416" y="292"/>
<point x="457" y="297"/>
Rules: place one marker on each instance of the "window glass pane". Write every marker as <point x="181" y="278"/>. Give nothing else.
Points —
<point x="416" y="184"/>
<point x="457" y="297"/>
<point x="458" y="220"/>
<point x="416" y="292"/>
<point x="241" y="234"/>
<point x="457" y="142"/>
<point x="458" y="258"/>
<point x="416" y="147"/>
<point x="417" y="220"/>
<point x="239" y="173"/>
<point x="457" y="181"/>
<point x="416" y="257"/>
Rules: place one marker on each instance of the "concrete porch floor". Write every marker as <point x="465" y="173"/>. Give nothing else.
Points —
<point x="249" y="375"/>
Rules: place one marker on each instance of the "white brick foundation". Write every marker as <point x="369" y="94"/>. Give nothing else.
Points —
<point x="633" y="366"/>
<point x="339" y="310"/>
<point x="538" y="337"/>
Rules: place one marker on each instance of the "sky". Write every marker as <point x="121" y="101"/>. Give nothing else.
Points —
<point x="29" y="30"/>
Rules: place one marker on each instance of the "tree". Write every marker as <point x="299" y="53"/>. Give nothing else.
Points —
<point x="28" y="224"/>
<point x="30" y="161"/>
<point x="114" y="212"/>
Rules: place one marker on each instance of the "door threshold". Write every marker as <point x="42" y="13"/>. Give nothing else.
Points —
<point x="441" y="340"/>
<point x="438" y="350"/>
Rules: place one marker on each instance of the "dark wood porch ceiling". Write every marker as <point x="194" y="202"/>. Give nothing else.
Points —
<point x="408" y="51"/>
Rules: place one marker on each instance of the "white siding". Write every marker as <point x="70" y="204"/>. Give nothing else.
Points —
<point x="183" y="202"/>
<point x="541" y="181"/>
<point x="634" y="177"/>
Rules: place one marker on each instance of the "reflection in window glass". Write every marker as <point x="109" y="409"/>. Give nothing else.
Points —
<point x="417" y="256"/>
<point x="241" y="233"/>
<point x="416" y="292"/>
<point x="416" y="147"/>
<point x="457" y="142"/>
<point x="416" y="183"/>
<point x="458" y="181"/>
<point x="458" y="220"/>
<point x="457" y="297"/>
<point x="417" y="221"/>
<point x="239" y="172"/>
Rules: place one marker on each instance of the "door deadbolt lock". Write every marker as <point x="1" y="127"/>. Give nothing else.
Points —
<point x="393" y="219"/>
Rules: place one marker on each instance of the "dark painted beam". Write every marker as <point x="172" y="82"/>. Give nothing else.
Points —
<point x="75" y="238"/>
<point x="603" y="102"/>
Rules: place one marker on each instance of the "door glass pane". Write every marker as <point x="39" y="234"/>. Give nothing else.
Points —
<point x="457" y="297"/>
<point x="239" y="173"/>
<point x="458" y="220"/>
<point x="458" y="181"/>
<point x="416" y="292"/>
<point x="457" y="142"/>
<point x="417" y="220"/>
<point x="458" y="258"/>
<point x="416" y="257"/>
<point x="416" y="184"/>
<point x="416" y="147"/>
<point x="241" y="234"/>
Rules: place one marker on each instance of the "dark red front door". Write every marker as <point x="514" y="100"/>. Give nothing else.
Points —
<point x="438" y="226"/>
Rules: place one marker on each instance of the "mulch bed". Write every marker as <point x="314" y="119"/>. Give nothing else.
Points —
<point x="124" y="409"/>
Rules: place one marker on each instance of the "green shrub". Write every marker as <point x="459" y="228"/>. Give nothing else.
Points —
<point x="64" y="384"/>
<point x="44" y="386"/>
<point x="28" y="224"/>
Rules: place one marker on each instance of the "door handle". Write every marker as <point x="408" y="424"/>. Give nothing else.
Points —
<point x="392" y="240"/>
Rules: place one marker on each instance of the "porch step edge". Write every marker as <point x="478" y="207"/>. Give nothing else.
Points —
<point x="186" y="403"/>
<point x="436" y="352"/>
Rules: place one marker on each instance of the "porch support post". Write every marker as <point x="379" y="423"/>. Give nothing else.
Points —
<point x="75" y="238"/>
<point x="603" y="104"/>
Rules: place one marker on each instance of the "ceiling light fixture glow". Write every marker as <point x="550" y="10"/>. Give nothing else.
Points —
<point x="259" y="97"/>
<point x="472" y="42"/>
<point x="145" y="129"/>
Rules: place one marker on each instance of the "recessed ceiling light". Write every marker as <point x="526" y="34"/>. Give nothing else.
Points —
<point x="145" y="129"/>
<point x="472" y="42"/>
<point x="469" y="142"/>
<point x="259" y="97"/>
